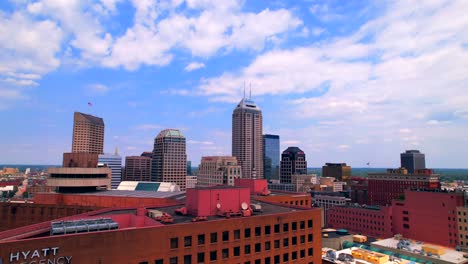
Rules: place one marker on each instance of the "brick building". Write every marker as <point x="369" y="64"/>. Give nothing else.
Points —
<point x="385" y="187"/>
<point x="218" y="170"/>
<point x="88" y="134"/>
<point x="429" y="215"/>
<point x="137" y="168"/>
<point x="274" y="234"/>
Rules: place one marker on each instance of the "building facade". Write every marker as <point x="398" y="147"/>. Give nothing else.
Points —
<point x="88" y="134"/>
<point x="114" y="162"/>
<point x="385" y="187"/>
<point x="137" y="168"/>
<point x="413" y="160"/>
<point x="271" y="156"/>
<point x="247" y="139"/>
<point x="429" y="215"/>
<point x="462" y="219"/>
<point x="169" y="162"/>
<point x="191" y="181"/>
<point x="79" y="179"/>
<point x="293" y="161"/>
<point x="218" y="170"/>
<point x="339" y="171"/>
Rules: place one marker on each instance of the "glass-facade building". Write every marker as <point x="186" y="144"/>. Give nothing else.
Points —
<point x="271" y="156"/>
<point x="413" y="160"/>
<point x="114" y="162"/>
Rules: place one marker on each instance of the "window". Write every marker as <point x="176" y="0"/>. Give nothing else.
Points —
<point x="267" y="230"/>
<point x="214" y="237"/>
<point x="258" y="261"/>
<point x="226" y="236"/>
<point x="174" y="242"/>
<point x="405" y="212"/>
<point x="236" y="251"/>
<point x="276" y="244"/>
<point x="143" y="262"/>
<point x="277" y="229"/>
<point x="187" y="241"/>
<point x="294" y="241"/>
<point x="159" y="261"/>
<point x="286" y="242"/>
<point x="294" y="255"/>
<point x="173" y="260"/>
<point x="294" y="226"/>
<point x="277" y="259"/>
<point x="201" y="257"/>
<point x="285" y="257"/>
<point x="213" y="255"/>
<point x="310" y="238"/>
<point x="258" y="247"/>
<point x="267" y="245"/>
<point x="188" y="259"/>
<point x="406" y="226"/>
<point x="309" y="224"/>
<point x="247" y="249"/>
<point x="225" y="253"/>
<point x="236" y="234"/>
<point x="258" y="231"/>
<point x="267" y="260"/>
<point x="247" y="233"/>
<point x="302" y="253"/>
<point x="310" y="252"/>
<point x="302" y="239"/>
<point x="201" y="239"/>
<point x="285" y="227"/>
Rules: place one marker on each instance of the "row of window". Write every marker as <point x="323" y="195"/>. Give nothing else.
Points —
<point x="225" y="235"/>
<point x="201" y="257"/>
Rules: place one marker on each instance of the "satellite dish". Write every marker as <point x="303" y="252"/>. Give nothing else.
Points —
<point x="244" y="206"/>
<point x="218" y="205"/>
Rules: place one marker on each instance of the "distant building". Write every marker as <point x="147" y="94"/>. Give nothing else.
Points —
<point x="339" y="171"/>
<point x="114" y="162"/>
<point x="189" y="167"/>
<point x="218" y="170"/>
<point x="137" y="168"/>
<point x="169" y="162"/>
<point x="413" y="160"/>
<point x="148" y="154"/>
<point x="303" y="182"/>
<point x="462" y="223"/>
<point x="271" y="156"/>
<point x="385" y="187"/>
<point x="293" y="161"/>
<point x="327" y="201"/>
<point x="148" y="186"/>
<point x="247" y="139"/>
<point x="88" y="134"/>
<point x="191" y="182"/>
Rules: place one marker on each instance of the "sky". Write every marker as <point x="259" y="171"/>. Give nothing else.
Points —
<point x="346" y="81"/>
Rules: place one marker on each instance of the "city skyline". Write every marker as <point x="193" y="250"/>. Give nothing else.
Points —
<point x="345" y="82"/>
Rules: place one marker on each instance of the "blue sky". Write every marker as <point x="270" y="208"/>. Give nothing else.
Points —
<point x="346" y="81"/>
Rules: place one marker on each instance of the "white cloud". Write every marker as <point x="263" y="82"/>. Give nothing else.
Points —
<point x="405" y="130"/>
<point x="194" y="66"/>
<point x="317" y="31"/>
<point x="290" y="142"/>
<point x="199" y="142"/>
<point x="146" y="127"/>
<point x="343" y="147"/>
<point x="97" y="89"/>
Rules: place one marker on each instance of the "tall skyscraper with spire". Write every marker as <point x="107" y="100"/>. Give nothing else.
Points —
<point x="247" y="139"/>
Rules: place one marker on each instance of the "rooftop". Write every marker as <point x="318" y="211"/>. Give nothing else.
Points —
<point x="247" y="103"/>
<point x="139" y="194"/>
<point x="93" y="119"/>
<point x="170" y="133"/>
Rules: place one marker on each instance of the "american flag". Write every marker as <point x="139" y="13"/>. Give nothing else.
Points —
<point x="90" y="104"/>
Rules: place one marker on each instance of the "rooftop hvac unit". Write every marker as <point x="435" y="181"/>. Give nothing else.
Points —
<point x="256" y="207"/>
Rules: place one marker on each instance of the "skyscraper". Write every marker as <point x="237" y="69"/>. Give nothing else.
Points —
<point x="88" y="134"/>
<point x="293" y="161"/>
<point x="339" y="171"/>
<point x="114" y="162"/>
<point x="169" y="158"/>
<point x="271" y="156"/>
<point x="218" y="170"/>
<point x="413" y="160"/>
<point x="247" y="140"/>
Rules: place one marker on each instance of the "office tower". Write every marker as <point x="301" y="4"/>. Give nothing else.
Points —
<point x="148" y="154"/>
<point x="169" y="158"/>
<point x="293" y="161"/>
<point x="114" y="162"/>
<point x="247" y="138"/>
<point x="218" y="170"/>
<point x="339" y="171"/>
<point x="88" y="134"/>
<point x="271" y="156"/>
<point x="413" y="160"/>
<point x="137" y="168"/>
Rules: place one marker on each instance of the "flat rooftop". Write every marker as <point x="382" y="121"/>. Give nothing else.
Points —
<point x="138" y="194"/>
<point x="360" y="261"/>
<point x="450" y="255"/>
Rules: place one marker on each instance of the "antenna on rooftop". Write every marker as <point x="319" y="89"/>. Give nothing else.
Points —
<point x="244" y="89"/>
<point x="250" y="95"/>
